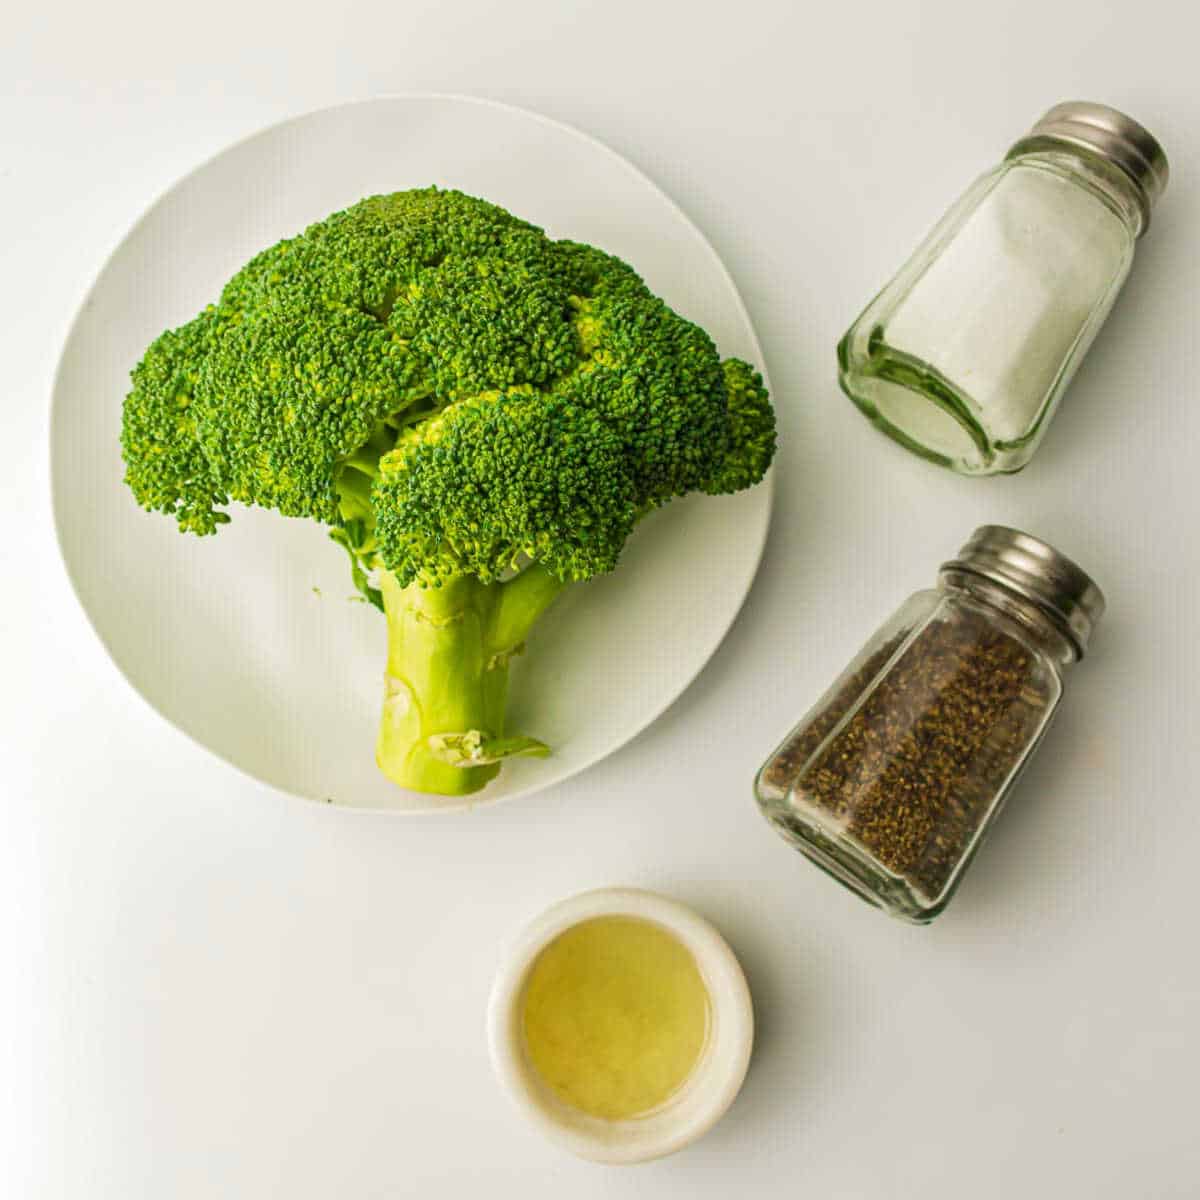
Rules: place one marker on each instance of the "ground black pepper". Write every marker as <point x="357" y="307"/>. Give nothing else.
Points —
<point x="780" y="773"/>
<point x="914" y="771"/>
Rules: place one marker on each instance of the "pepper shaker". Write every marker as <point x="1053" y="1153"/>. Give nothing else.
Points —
<point x="893" y="779"/>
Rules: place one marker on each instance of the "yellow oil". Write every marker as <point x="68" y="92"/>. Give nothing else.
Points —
<point x="615" y="1016"/>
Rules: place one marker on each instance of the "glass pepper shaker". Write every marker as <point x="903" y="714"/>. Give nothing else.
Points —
<point x="892" y="780"/>
<point x="965" y="354"/>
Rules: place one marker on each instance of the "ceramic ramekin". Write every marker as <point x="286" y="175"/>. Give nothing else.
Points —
<point x="709" y="1090"/>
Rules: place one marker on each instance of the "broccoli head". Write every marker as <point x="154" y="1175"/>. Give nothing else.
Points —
<point x="478" y="413"/>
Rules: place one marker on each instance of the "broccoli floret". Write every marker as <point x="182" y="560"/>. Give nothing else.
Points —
<point x="500" y="478"/>
<point x="160" y="441"/>
<point x="751" y="431"/>
<point x="478" y="413"/>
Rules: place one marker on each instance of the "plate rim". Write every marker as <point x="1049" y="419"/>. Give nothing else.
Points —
<point x="449" y="804"/>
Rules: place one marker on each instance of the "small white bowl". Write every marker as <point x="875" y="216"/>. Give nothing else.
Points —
<point x="715" y="1080"/>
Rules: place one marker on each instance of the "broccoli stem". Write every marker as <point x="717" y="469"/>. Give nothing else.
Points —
<point x="522" y="599"/>
<point x="446" y="687"/>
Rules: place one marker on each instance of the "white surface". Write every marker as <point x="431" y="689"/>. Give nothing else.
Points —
<point x="715" y="1079"/>
<point x="214" y="991"/>
<point x="230" y="632"/>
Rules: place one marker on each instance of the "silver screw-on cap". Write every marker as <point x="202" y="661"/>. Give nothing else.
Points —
<point x="1111" y="134"/>
<point x="1037" y="572"/>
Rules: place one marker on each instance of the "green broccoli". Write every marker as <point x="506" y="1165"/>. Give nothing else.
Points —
<point x="478" y="413"/>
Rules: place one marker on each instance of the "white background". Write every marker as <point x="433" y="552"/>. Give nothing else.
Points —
<point x="212" y="990"/>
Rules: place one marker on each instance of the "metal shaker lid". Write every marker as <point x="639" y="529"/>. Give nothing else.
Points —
<point x="1037" y="572"/>
<point x="1111" y="134"/>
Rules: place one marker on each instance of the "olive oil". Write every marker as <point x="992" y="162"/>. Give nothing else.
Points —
<point x="615" y="1016"/>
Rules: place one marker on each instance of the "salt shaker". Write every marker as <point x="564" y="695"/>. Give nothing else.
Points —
<point x="965" y="354"/>
<point x="893" y="779"/>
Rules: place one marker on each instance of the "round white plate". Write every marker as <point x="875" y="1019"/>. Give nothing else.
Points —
<point x="248" y="641"/>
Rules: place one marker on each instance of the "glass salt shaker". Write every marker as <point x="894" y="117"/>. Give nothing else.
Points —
<point x="893" y="779"/>
<point x="965" y="354"/>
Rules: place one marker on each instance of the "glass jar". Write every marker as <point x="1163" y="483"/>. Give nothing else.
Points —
<point x="964" y="356"/>
<point x="894" y="777"/>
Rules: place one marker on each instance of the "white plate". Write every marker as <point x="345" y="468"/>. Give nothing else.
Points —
<point x="247" y="641"/>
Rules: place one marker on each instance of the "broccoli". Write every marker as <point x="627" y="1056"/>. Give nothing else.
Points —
<point x="479" y="414"/>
